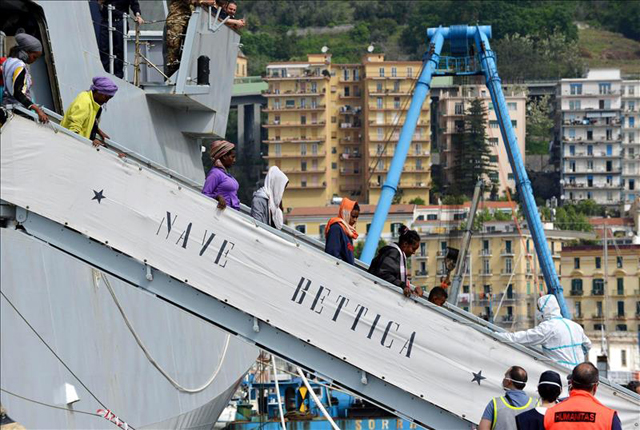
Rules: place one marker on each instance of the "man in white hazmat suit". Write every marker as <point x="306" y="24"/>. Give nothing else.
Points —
<point x="562" y="340"/>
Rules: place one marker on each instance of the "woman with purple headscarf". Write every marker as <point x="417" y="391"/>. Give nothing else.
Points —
<point x="83" y="115"/>
<point x="220" y="185"/>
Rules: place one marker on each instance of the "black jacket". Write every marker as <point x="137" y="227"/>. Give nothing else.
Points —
<point x="386" y="265"/>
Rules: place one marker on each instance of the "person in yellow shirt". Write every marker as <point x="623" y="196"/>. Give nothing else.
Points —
<point x="83" y="115"/>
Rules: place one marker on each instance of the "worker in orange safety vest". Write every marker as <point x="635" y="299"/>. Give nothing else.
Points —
<point x="582" y="411"/>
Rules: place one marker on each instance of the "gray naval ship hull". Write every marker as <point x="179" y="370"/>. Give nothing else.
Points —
<point x="68" y="304"/>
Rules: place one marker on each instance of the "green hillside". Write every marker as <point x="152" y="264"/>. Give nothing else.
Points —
<point x="604" y="49"/>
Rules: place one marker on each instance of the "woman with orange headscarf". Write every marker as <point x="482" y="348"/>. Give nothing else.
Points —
<point x="340" y="231"/>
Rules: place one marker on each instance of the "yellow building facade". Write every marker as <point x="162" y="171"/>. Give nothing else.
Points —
<point x="605" y="299"/>
<point x="503" y="279"/>
<point x="332" y="128"/>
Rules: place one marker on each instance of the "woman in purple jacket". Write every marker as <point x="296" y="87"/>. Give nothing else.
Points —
<point x="220" y="185"/>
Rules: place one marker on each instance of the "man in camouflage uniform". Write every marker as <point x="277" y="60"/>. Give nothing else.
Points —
<point x="174" y="29"/>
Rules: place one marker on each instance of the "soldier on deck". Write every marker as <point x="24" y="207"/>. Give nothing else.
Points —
<point x="175" y="27"/>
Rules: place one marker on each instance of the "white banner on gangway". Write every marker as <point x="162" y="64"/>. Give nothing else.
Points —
<point x="293" y="288"/>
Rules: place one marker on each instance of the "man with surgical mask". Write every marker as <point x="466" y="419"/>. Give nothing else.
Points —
<point x="562" y="340"/>
<point x="501" y="412"/>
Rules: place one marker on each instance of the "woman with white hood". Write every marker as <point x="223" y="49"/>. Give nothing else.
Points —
<point x="562" y="340"/>
<point x="266" y="205"/>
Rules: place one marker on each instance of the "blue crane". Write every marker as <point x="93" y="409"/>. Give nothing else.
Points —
<point x="484" y="63"/>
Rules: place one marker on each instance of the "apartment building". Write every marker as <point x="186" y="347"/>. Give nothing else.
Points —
<point x="454" y="102"/>
<point x="630" y="122"/>
<point x="599" y="142"/>
<point x="332" y="128"/>
<point x="605" y="299"/>
<point x="388" y="92"/>
<point x="502" y="277"/>
<point x="313" y="220"/>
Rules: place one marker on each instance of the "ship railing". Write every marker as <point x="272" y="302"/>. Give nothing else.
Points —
<point x="133" y="156"/>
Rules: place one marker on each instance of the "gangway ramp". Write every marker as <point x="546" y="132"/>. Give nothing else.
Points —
<point x="282" y="294"/>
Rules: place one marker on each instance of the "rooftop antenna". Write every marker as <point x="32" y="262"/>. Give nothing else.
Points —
<point x="324" y="49"/>
<point x="370" y="48"/>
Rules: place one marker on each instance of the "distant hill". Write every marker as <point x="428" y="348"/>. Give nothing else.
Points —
<point x="604" y="49"/>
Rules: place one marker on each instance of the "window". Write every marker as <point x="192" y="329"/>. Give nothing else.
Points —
<point x="574" y="105"/>
<point x="514" y="123"/>
<point x="302" y="228"/>
<point x="334" y="166"/>
<point x="409" y="72"/>
<point x="493" y="124"/>
<point x="396" y="102"/>
<point x="314" y="148"/>
<point x="394" y="72"/>
<point x="512" y="106"/>
<point x="598" y="309"/>
<point x="572" y="133"/>
<point x="510" y="291"/>
<point x="486" y="269"/>
<point x="598" y="327"/>
<point x="597" y="287"/>
<point x="382" y="72"/>
<point x="485" y="245"/>
<point x="314" y="87"/>
<point x="623" y="357"/>
<point x="303" y="166"/>
<point x="303" y="119"/>
<point x="619" y="262"/>
<point x="598" y="263"/>
<point x="576" y="287"/>
<point x="621" y="327"/>
<point x="507" y="246"/>
<point x="493" y="158"/>
<point x="620" y="308"/>
<point x="345" y="74"/>
<point x="432" y="217"/>
<point x="459" y="108"/>
<point x="508" y="265"/>
<point x="493" y="141"/>
<point x="576" y="89"/>
<point x="423" y="248"/>
<point x="396" y="87"/>
<point x="379" y="102"/>
<point x="604" y="88"/>
<point x="395" y="229"/>
<point x="576" y="263"/>
<point x="490" y="105"/>
<point x="578" y="309"/>
<point x="303" y="149"/>
<point x="379" y="87"/>
<point x="278" y="149"/>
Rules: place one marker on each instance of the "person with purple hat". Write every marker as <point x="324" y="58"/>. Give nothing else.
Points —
<point x="83" y="115"/>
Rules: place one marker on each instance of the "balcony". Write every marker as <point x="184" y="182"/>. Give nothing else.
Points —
<point x="597" y="292"/>
<point x="350" y="96"/>
<point x="597" y="316"/>
<point x="349" y="125"/>
<point x="294" y="108"/>
<point x="307" y="74"/>
<point x="348" y="156"/>
<point x="485" y="253"/>
<point x="348" y="172"/>
<point x="483" y="273"/>
<point x="350" y="187"/>
<point x="301" y="171"/>
<point x="507" y="252"/>
<point x="596" y="139"/>
<point x="269" y="93"/>
<point x="306" y="187"/>
<point x="421" y="273"/>
<point x="349" y="141"/>
<point x="576" y="292"/>
<point x="505" y="272"/>
<point x="319" y="139"/>
<point x="293" y="156"/>
<point x="276" y="124"/>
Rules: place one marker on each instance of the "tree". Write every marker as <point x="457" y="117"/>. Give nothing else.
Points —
<point x="417" y="201"/>
<point x="471" y="150"/>
<point x="453" y="199"/>
<point x="357" y="250"/>
<point x="539" y="126"/>
<point x="567" y="218"/>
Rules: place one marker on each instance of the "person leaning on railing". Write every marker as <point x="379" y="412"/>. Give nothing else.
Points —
<point x="16" y="74"/>
<point x="83" y="115"/>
